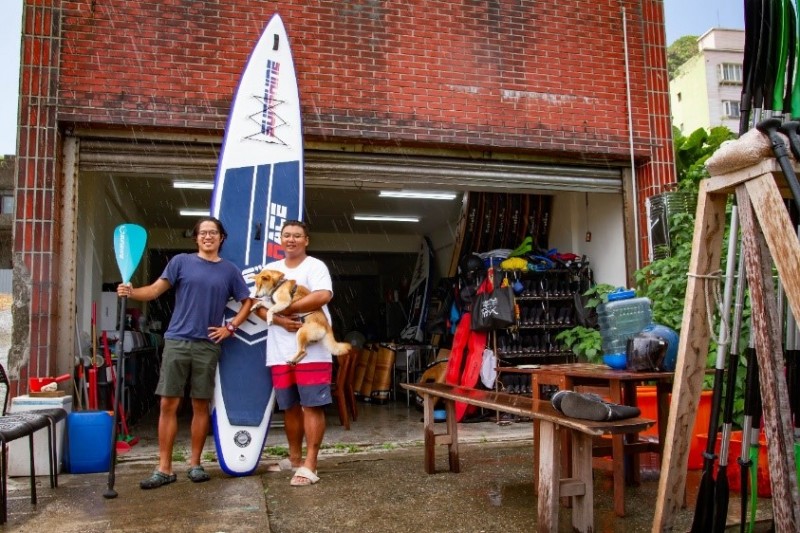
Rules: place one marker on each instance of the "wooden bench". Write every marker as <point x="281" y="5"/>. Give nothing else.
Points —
<point x="551" y="485"/>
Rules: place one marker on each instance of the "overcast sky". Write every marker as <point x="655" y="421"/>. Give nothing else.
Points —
<point x="683" y="17"/>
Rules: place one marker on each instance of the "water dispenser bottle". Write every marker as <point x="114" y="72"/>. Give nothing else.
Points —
<point x="622" y="317"/>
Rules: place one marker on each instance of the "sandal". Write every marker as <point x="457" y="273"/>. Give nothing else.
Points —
<point x="198" y="474"/>
<point x="304" y="477"/>
<point x="156" y="479"/>
<point x="284" y="465"/>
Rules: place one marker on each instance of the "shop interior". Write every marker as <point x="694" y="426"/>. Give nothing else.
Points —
<point x="372" y="264"/>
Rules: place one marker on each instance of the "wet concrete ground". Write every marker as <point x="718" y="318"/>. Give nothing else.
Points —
<point x="372" y="479"/>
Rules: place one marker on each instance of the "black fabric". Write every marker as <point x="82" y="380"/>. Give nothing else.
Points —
<point x="493" y="310"/>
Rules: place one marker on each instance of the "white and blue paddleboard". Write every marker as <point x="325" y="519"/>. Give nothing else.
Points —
<point x="259" y="185"/>
<point x="419" y="294"/>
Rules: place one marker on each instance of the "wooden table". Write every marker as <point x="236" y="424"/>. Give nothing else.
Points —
<point x="621" y="385"/>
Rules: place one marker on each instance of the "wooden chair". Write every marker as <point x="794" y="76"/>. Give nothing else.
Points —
<point x="339" y="387"/>
<point x="17" y="426"/>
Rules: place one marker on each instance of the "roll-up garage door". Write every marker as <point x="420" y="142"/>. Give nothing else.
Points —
<point x="196" y="158"/>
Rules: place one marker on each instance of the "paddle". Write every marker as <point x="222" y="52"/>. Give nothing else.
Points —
<point x="703" y="511"/>
<point x="791" y="29"/>
<point x="762" y="13"/>
<point x="129" y="243"/>
<point x="755" y="445"/>
<point x="748" y="65"/>
<point x="722" y="489"/>
<point x="751" y="385"/>
<point x="769" y="127"/>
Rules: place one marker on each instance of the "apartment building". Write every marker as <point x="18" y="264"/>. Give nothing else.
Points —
<point x="708" y="87"/>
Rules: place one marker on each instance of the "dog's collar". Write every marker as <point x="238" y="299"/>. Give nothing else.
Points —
<point x="277" y="286"/>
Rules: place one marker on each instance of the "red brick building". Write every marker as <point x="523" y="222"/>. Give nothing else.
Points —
<point x="530" y="96"/>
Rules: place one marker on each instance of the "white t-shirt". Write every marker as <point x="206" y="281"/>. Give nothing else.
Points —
<point x="281" y="344"/>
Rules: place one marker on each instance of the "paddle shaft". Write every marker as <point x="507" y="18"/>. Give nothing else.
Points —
<point x="703" y="512"/>
<point x="722" y="489"/>
<point x="110" y="492"/>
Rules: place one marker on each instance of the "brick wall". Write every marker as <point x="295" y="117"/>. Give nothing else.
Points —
<point x="524" y="76"/>
<point x="37" y="211"/>
<point x="531" y="76"/>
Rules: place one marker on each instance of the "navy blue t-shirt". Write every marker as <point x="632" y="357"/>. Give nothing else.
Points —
<point x="203" y="289"/>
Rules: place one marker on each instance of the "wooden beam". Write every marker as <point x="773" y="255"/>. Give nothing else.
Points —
<point x="692" y="352"/>
<point x="767" y="209"/>
<point x="549" y="477"/>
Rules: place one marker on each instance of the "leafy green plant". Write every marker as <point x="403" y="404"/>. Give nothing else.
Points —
<point x="586" y="342"/>
<point x="598" y="294"/>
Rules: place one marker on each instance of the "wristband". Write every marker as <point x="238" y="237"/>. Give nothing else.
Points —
<point x="231" y="327"/>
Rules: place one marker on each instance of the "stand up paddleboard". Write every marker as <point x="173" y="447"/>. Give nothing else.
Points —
<point x="259" y="185"/>
<point x="419" y="294"/>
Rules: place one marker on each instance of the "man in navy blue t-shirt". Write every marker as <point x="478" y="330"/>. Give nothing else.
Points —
<point x="204" y="282"/>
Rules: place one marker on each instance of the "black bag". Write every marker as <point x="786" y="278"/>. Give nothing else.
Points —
<point x="645" y="353"/>
<point x="492" y="309"/>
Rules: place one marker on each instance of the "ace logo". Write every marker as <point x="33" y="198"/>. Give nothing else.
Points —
<point x="277" y="216"/>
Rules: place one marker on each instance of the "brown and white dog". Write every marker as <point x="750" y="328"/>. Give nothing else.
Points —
<point x="271" y="285"/>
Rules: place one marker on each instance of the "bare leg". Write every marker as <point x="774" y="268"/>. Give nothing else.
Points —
<point x="314" y="424"/>
<point x="167" y="429"/>
<point x="200" y="425"/>
<point x="294" y="427"/>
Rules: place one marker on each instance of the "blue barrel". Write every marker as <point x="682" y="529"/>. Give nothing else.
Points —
<point x="89" y="441"/>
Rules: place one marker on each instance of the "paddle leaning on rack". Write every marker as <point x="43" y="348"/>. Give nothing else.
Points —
<point x="129" y="243"/>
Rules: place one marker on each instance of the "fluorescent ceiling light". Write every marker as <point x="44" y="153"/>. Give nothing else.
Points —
<point x="386" y="218"/>
<point x="194" y="212"/>
<point x="421" y="195"/>
<point x="205" y="185"/>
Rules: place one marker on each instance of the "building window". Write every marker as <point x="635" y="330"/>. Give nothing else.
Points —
<point x="730" y="109"/>
<point x="7" y="204"/>
<point x="730" y="73"/>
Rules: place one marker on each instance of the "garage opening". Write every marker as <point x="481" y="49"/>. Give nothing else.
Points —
<point x="493" y="204"/>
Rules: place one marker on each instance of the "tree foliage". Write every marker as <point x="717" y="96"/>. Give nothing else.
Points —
<point x="692" y="151"/>
<point x="680" y="52"/>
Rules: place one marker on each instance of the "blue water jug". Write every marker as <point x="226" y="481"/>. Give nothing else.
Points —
<point x="622" y="317"/>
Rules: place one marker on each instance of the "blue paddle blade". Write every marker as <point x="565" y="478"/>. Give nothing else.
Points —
<point x="129" y="242"/>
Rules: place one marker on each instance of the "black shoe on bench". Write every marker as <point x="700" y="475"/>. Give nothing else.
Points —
<point x="589" y="406"/>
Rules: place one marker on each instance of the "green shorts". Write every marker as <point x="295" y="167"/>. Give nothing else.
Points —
<point x="182" y="359"/>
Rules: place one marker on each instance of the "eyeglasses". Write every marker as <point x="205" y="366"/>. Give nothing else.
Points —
<point x="296" y="236"/>
<point x="210" y="233"/>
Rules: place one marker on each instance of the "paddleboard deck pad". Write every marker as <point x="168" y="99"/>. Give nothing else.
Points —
<point x="259" y="185"/>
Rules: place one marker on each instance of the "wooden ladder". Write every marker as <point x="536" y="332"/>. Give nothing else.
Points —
<point x="767" y="235"/>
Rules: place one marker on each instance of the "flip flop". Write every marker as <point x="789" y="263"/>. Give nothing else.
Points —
<point x="284" y="465"/>
<point x="304" y="477"/>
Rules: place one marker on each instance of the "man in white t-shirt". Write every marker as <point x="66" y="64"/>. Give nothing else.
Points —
<point x="303" y="390"/>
